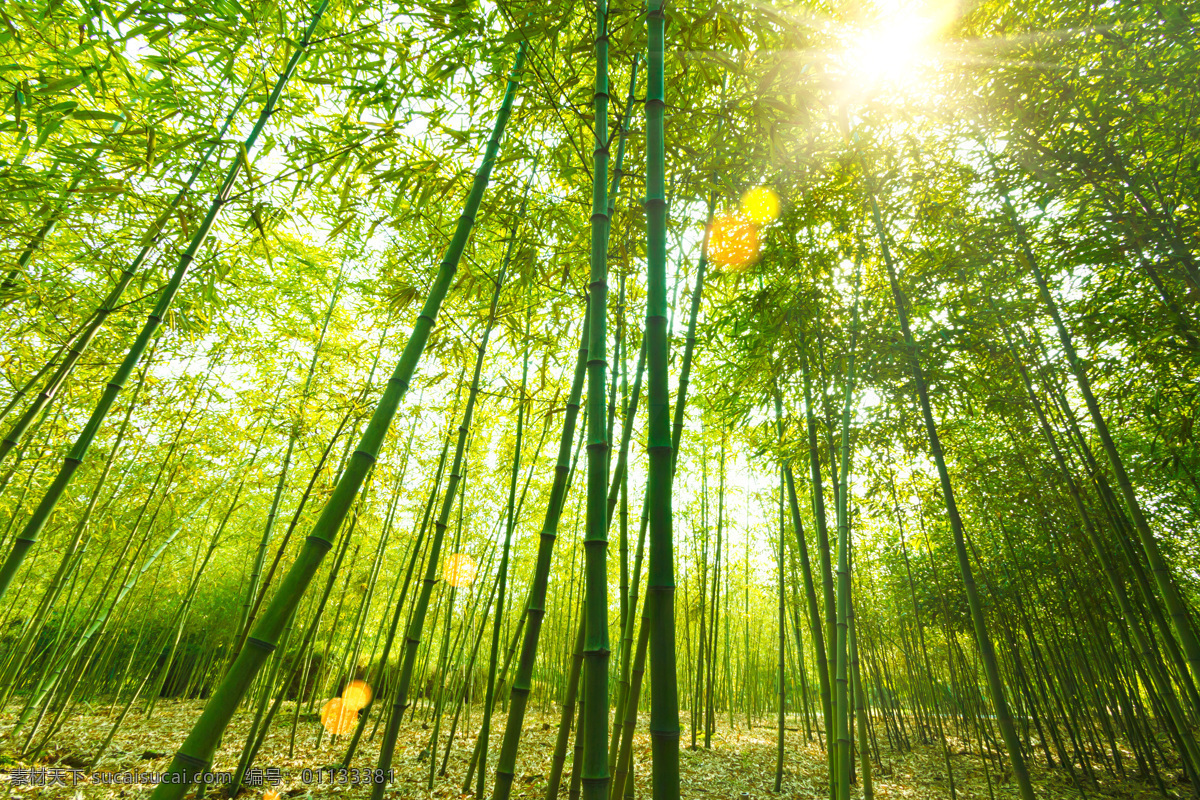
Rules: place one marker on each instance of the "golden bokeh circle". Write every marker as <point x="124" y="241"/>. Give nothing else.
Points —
<point x="356" y="695"/>
<point x="760" y="205"/>
<point x="460" y="570"/>
<point x="337" y="717"/>
<point x="733" y="241"/>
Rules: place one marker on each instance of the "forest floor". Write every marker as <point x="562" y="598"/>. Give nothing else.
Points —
<point x="740" y="764"/>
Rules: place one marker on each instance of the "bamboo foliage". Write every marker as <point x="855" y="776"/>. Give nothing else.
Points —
<point x="41" y="515"/>
<point x="196" y="752"/>
<point x="991" y="388"/>
<point x="79" y="344"/>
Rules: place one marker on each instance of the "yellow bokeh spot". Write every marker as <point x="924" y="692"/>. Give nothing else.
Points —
<point x="460" y="570"/>
<point x="356" y="695"/>
<point x="733" y="241"/>
<point x="272" y="794"/>
<point x="337" y="717"/>
<point x="760" y="205"/>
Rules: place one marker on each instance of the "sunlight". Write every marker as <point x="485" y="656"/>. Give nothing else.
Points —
<point x="891" y="52"/>
<point x="897" y="46"/>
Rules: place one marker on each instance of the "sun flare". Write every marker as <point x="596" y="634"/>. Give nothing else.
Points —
<point x="892" y="52"/>
<point x="897" y="46"/>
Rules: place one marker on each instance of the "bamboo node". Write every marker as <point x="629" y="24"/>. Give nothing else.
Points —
<point x="319" y="541"/>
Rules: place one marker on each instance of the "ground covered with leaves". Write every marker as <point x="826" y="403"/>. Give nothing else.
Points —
<point x="740" y="763"/>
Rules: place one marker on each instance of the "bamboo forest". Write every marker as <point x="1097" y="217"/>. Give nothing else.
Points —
<point x="613" y="401"/>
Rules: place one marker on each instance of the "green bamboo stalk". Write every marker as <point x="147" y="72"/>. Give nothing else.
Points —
<point x="592" y="770"/>
<point x="660" y="592"/>
<point x="514" y="643"/>
<point x="623" y="783"/>
<point x="842" y="693"/>
<point x="469" y="667"/>
<point x="823" y="556"/>
<point x="498" y="618"/>
<point x="577" y="759"/>
<point x="816" y="625"/>
<point x="417" y="623"/>
<point x="196" y="753"/>
<point x="444" y="657"/>
<point x="262" y="716"/>
<point x="782" y="642"/>
<point x="861" y="713"/>
<point x="568" y="716"/>
<point x="536" y="612"/>
<point x="572" y="657"/>
<point x="40" y="454"/>
<point x="621" y="731"/>
<point x="797" y="631"/>
<point x="629" y="689"/>
<point x="299" y="669"/>
<point x="709" y="705"/>
<point x="349" y="665"/>
<point x="381" y="673"/>
<point x="102" y="650"/>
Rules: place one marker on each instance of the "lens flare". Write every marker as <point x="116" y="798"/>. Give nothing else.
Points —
<point x="356" y="695"/>
<point x="733" y="241"/>
<point x="760" y="205"/>
<point x="460" y="570"/>
<point x="337" y="717"/>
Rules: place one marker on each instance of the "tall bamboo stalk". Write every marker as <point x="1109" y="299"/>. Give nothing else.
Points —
<point x="522" y="683"/>
<point x="842" y="694"/>
<point x="660" y="592"/>
<point x="593" y="730"/>
<point x="781" y="675"/>
<point x="501" y="590"/>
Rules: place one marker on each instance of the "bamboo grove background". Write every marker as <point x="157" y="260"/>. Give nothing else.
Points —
<point x="290" y="177"/>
